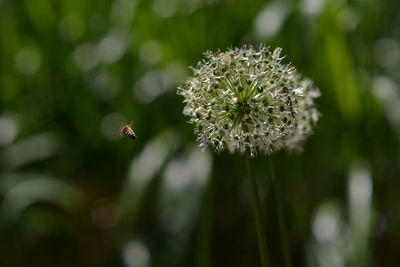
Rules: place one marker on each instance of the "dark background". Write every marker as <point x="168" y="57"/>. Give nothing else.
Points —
<point x="74" y="193"/>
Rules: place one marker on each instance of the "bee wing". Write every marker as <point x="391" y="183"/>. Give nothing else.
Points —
<point x="116" y="133"/>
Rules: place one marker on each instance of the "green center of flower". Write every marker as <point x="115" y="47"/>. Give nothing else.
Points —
<point x="242" y="108"/>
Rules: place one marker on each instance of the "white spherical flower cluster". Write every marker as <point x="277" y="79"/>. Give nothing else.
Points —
<point x="246" y="100"/>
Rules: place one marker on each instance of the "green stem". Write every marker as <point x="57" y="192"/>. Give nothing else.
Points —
<point x="281" y="220"/>
<point x="257" y="209"/>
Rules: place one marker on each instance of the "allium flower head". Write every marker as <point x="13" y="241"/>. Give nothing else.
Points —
<point x="246" y="100"/>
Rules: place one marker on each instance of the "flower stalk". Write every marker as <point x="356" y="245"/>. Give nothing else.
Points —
<point x="258" y="214"/>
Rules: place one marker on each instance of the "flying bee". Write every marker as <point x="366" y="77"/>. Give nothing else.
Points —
<point x="126" y="129"/>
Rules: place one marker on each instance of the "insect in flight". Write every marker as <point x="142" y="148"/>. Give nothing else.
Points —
<point x="126" y="129"/>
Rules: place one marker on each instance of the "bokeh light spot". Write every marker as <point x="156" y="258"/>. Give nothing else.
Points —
<point x="84" y="57"/>
<point x="270" y="20"/>
<point x="150" y="52"/>
<point x="165" y="8"/>
<point x="136" y="254"/>
<point x="387" y="52"/>
<point x="28" y="60"/>
<point x="9" y="129"/>
<point x="110" y="49"/>
<point x="326" y="222"/>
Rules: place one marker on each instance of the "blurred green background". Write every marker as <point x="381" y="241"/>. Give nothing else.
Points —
<point x="72" y="193"/>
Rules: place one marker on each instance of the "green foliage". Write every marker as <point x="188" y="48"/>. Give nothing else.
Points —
<point x="74" y="194"/>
